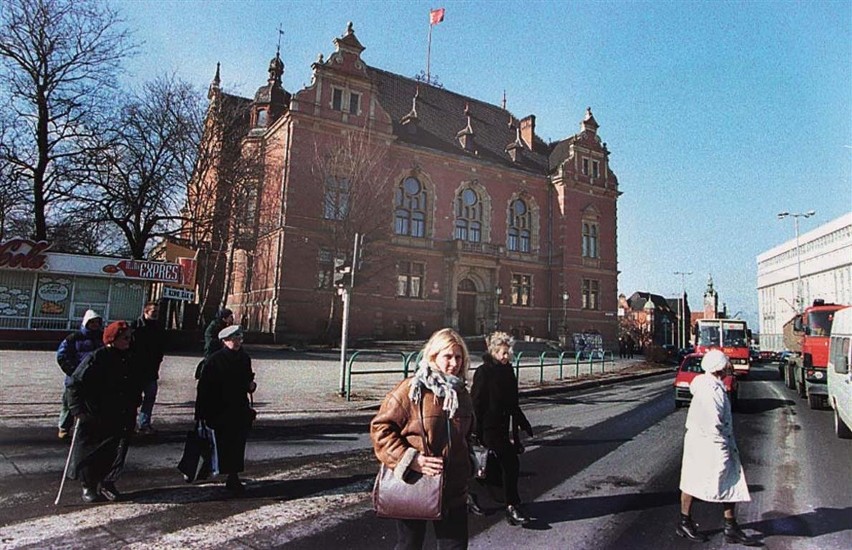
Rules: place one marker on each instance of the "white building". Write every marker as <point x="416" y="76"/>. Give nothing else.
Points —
<point x="825" y="257"/>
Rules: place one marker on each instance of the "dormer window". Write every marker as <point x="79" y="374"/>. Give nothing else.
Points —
<point x="261" y="118"/>
<point x="354" y="103"/>
<point x="345" y="101"/>
<point x="337" y="99"/>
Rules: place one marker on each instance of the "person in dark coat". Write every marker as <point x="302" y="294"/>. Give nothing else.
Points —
<point x="70" y="355"/>
<point x="222" y="403"/>
<point x="212" y="342"/>
<point x="498" y="416"/>
<point x="147" y="347"/>
<point x="103" y="396"/>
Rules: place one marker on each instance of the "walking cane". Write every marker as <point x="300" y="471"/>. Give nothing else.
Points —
<point x="67" y="461"/>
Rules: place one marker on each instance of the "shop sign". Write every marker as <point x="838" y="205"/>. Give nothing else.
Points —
<point x="172" y="293"/>
<point x="53" y="292"/>
<point x="143" y="269"/>
<point x="23" y="254"/>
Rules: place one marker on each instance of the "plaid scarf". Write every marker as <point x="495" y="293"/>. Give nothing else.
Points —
<point x="441" y="385"/>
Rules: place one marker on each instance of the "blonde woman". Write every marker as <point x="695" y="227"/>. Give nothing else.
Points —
<point x="397" y="434"/>
<point x="495" y="402"/>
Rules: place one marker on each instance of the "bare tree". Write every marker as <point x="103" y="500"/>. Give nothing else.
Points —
<point x="58" y="62"/>
<point x="220" y="213"/>
<point x="357" y="179"/>
<point x="133" y="176"/>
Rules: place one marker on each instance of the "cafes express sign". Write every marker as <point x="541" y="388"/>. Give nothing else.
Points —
<point x="23" y="254"/>
<point x="143" y="269"/>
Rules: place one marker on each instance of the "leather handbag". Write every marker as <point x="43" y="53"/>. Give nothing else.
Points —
<point x="416" y="496"/>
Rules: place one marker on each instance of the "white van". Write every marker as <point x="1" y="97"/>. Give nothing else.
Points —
<point x="839" y="373"/>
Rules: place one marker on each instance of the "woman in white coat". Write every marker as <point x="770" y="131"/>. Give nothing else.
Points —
<point x="711" y="469"/>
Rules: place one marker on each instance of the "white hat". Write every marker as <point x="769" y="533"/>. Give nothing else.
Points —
<point x="230" y="332"/>
<point x="714" y="361"/>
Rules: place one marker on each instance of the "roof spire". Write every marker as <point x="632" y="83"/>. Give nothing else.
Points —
<point x="504" y="99"/>
<point x="214" y="84"/>
<point x="280" y="34"/>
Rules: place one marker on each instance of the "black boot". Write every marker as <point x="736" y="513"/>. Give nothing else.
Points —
<point x="516" y="516"/>
<point x="234" y="485"/>
<point x="473" y="506"/>
<point x="90" y="495"/>
<point x="735" y="535"/>
<point x="109" y="492"/>
<point x="687" y="529"/>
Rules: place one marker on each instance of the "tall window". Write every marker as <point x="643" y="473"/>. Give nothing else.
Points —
<point x="336" y="199"/>
<point x="590" y="240"/>
<point x="596" y="169"/>
<point x="585" y="167"/>
<point x="591" y="294"/>
<point x="410" y="213"/>
<point x="468" y="216"/>
<point x="521" y="290"/>
<point x="337" y="99"/>
<point x="354" y="102"/>
<point x="520" y="222"/>
<point x="409" y="279"/>
<point x="325" y="266"/>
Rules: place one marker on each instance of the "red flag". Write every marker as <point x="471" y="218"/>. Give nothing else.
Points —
<point x="436" y="16"/>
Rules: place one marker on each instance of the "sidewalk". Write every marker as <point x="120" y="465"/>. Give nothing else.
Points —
<point x="290" y="384"/>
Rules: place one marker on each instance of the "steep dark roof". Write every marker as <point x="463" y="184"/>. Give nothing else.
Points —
<point x="440" y="117"/>
<point x="638" y="300"/>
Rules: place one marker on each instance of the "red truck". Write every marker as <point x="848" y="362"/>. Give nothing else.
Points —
<point x="806" y="335"/>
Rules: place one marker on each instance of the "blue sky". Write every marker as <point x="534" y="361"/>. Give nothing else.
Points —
<point x="718" y="115"/>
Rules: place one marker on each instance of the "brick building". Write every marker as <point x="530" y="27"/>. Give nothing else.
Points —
<point x="469" y="219"/>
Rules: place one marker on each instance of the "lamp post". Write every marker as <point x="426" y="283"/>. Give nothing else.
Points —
<point x="796" y="216"/>
<point x="683" y="321"/>
<point x="498" y="291"/>
<point x="565" y="298"/>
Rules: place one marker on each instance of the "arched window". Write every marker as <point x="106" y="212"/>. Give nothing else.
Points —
<point x="410" y="213"/>
<point x="261" y="118"/>
<point x="468" y="216"/>
<point x="520" y="223"/>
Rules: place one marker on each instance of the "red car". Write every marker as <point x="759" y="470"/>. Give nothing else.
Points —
<point x="689" y="369"/>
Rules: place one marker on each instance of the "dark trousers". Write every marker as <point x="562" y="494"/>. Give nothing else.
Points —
<point x="450" y="531"/>
<point x="507" y="456"/>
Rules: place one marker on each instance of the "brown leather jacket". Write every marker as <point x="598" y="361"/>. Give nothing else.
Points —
<point x="396" y="434"/>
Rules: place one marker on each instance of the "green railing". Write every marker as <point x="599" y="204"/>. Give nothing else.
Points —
<point x="559" y="359"/>
<point x="406" y="363"/>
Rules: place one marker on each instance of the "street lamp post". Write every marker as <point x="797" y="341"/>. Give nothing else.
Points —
<point x="565" y="298"/>
<point x="796" y="216"/>
<point x="498" y="291"/>
<point x="683" y="320"/>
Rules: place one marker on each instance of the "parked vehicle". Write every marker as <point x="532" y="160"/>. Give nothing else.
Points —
<point x="807" y="336"/>
<point x="838" y="374"/>
<point x="689" y="369"/>
<point x="729" y="335"/>
<point x="754" y="354"/>
<point x="766" y="356"/>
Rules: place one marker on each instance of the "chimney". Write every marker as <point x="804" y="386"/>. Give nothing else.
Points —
<point x="528" y="131"/>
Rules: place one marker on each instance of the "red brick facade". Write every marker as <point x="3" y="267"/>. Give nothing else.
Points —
<point x="467" y="202"/>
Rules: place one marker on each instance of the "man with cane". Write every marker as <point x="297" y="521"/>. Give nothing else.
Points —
<point x="103" y="396"/>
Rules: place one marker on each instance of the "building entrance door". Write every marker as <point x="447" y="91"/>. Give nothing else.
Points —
<point x="466" y="302"/>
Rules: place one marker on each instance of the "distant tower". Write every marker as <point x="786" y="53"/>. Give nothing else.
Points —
<point x="711" y="300"/>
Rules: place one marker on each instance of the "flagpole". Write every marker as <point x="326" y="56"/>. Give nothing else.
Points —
<point x="429" y="54"/>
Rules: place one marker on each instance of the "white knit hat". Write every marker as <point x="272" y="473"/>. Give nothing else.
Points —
<point x="714" y="361"/>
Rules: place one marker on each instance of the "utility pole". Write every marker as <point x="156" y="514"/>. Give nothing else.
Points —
<point x="683" y="321"/>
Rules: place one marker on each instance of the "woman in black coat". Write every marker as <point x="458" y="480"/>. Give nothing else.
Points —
<point x="498" y="416"/>
<point x="103" y="395"/>
<point x="222" y="403"/>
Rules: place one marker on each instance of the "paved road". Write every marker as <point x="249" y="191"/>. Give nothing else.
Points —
<point x="601" y="473"/>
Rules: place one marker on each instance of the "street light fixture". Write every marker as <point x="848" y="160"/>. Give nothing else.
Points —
<point x="498" y="291"/>
<point x="565" y="298"/>
<point x="683" y="320"/>
<point x="796" y="216"/>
